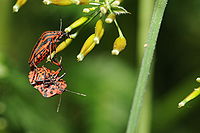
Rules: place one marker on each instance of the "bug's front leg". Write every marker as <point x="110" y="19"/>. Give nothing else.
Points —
<point x="51" y="56"/>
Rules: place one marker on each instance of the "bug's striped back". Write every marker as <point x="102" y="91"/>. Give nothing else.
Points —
<point x="47" y="81"/>
<point x="45" y="46"/>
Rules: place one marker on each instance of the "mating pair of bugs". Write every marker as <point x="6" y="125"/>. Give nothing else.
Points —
<point x="46" y="81"/>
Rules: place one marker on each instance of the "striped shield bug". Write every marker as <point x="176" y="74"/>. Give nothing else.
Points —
<point x="45" y="46"/>
<point x="47" y="81"/>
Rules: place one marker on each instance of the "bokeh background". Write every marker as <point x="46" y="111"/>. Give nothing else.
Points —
<point x="108" y="81"/>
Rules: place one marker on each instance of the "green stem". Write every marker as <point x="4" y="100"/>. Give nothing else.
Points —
<point x="144" y="18"/>
<point x="156" y="20"/>
<point x="85" y="24"/>
<point x="118" y="28"/>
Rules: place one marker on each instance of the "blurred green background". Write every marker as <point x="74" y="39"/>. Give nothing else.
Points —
<point x="108" y="81"/>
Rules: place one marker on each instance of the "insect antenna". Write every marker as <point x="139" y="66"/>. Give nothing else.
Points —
<point x="60" y="24"/>
<point x="60" y="99"/>
<point x="77" y="93"/>
<point x="59" y="103"/>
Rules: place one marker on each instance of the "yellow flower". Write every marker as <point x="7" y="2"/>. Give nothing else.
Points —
<point x="110" y="18"/>
<point x="99" y="31"/>
<point x="61" y="2"/>
<point x="191" y="96"/>
<point x="103" y="9"/>
<point x="116" y="3"/>
<point x="18" y="4"/>
<point x="198" y="80"/>
<point x="63" y="45"/>
<point x="87" y="10"/>
<point x="76" y="24"/>
<point x="87" y="47"/>
<point x="84" y="2"/>
<point x="60" y="47"/>
<point x="119" y="45"/>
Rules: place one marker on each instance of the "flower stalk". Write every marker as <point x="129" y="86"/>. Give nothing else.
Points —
<point x="156" y="20"/>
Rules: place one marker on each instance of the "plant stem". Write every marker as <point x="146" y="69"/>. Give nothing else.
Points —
<point x="156" y="20"/>
<point x="85" y="24"/>
<point x="118" y="28"/>
<point x="144" y="19"/>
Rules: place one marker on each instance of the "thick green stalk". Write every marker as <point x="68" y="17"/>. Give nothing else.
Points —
<point x="144" y="19"/>
<point x="156" y="20"/>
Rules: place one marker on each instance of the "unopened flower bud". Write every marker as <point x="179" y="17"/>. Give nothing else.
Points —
<point x="87" y="10"/>
<point x="99" y="30"/>
<point x="192" y="95"/>
<point x="103" y="9"/>
<point x="76" y="24"/>
<point x="116" y="3"/>
<point x="198" y="80"/>
<point x="98" y="38"/>
<point x="63" y="45"/>
<point x="119" y="45"/>
<point x="18" y="5"/>
<point x="59" y="48"/>
<point x="84" y="2"/>
<point x="61" y="2"/>
<point x="87" y="47"/>
<point x="110" y="18"/>
<point x="101" y="34"/>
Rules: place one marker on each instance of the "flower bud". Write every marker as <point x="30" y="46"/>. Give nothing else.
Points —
<point x="98" y="38"/>
<point x="198" y="80"/>
<point x="192" y="95"/>
<point x="59" y="48"/>
<point x="101" y="34"/>
<point x="103" y="9"/>
<point x="99" y="30"/>
<point x="110" y="18"/>
<point x="63" y="45"/>
<point x="87" y="47"/>
<point x="116" y="3"/>
<point x="61" y="2"/>
<point x="119" y="45"/>
<point x="84" y="2"/>
<point x="87" y="10"/>
<point x="18" y="5"/>
<point x="76" y="24"/>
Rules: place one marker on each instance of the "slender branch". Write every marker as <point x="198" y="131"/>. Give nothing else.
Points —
<point x="156" y="20"/>
<point x="86" y="23"/>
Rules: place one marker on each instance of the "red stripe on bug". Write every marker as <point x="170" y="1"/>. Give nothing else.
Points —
<point x="45" y="45"/>
<point x="47" y="81"/>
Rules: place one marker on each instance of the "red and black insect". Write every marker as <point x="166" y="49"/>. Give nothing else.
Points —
<point x="45" y="46"/>
<point x="47" y="82"/>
